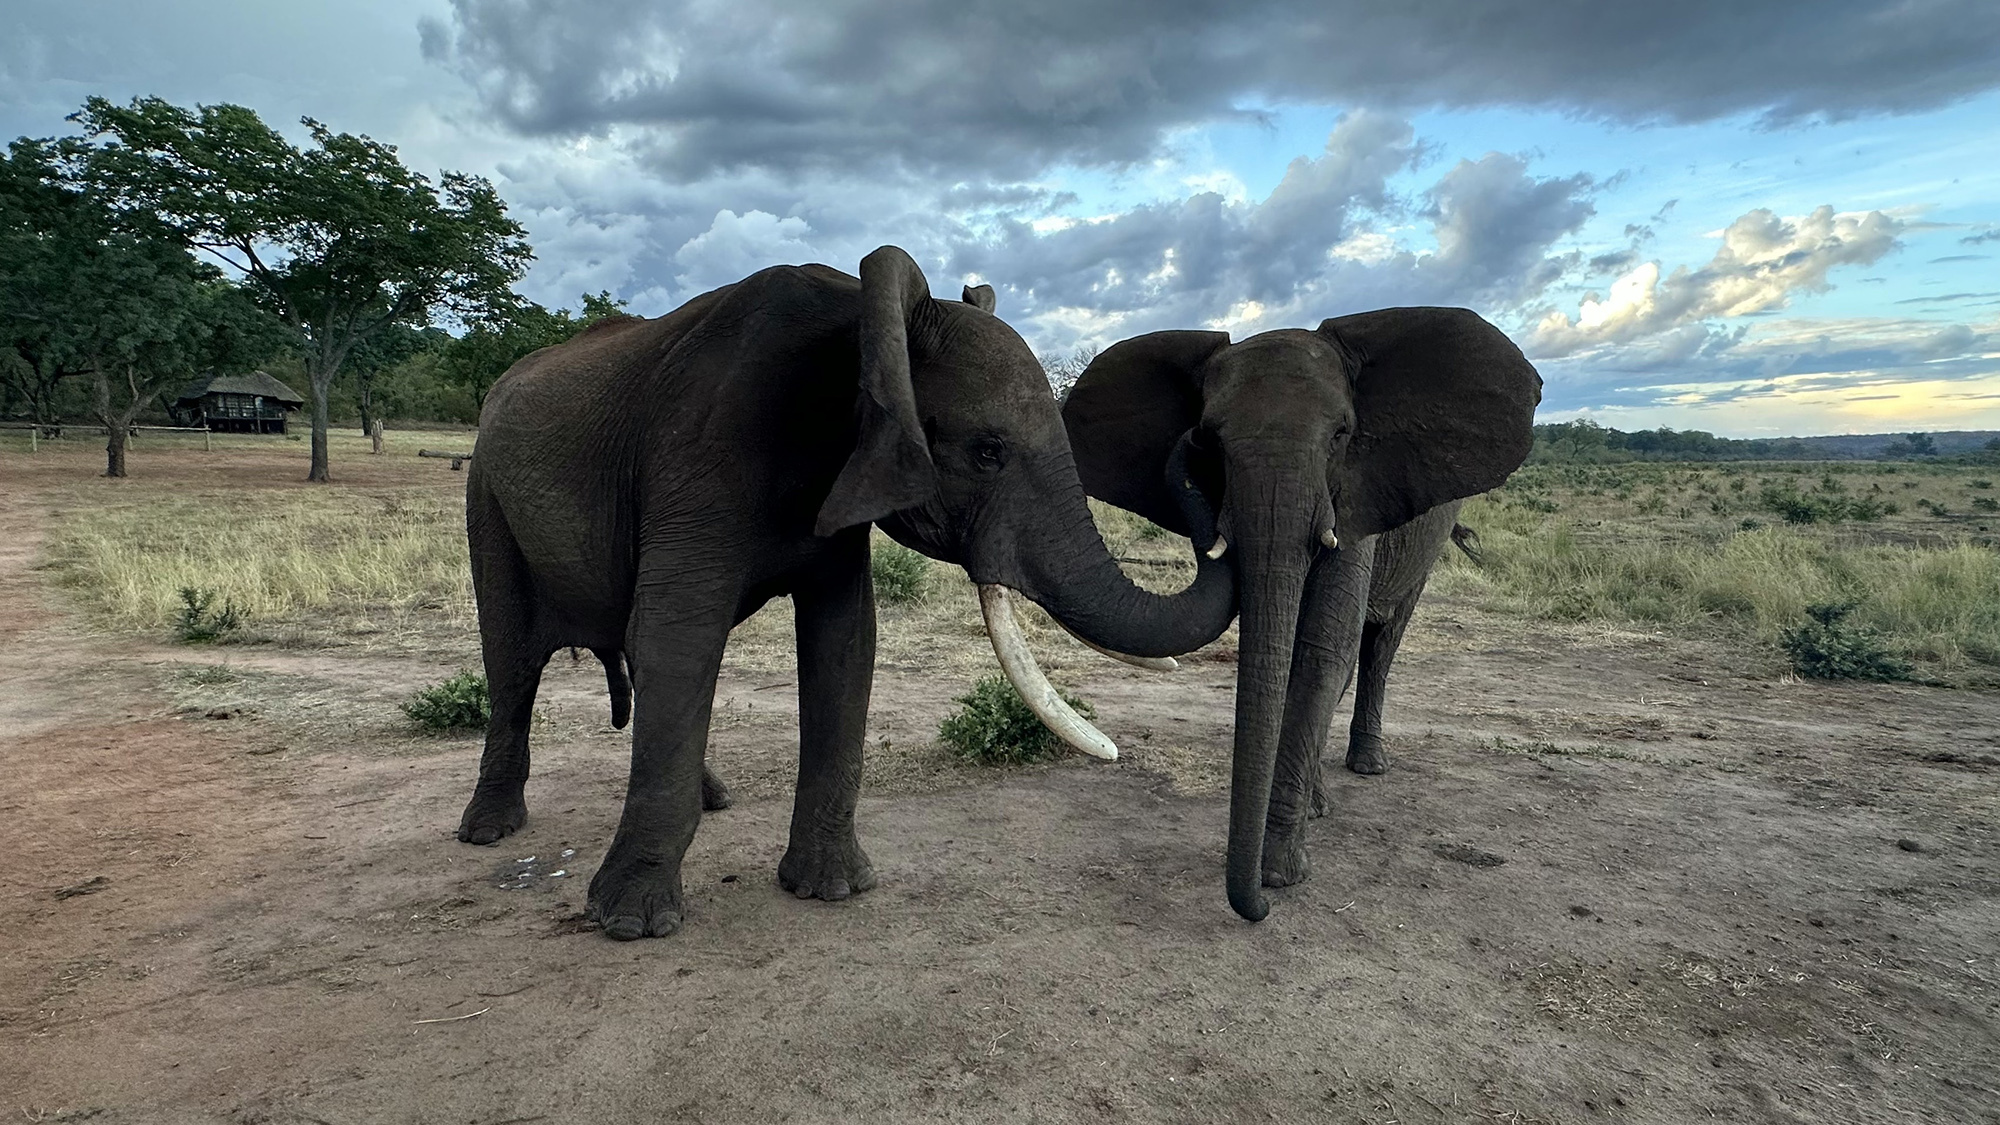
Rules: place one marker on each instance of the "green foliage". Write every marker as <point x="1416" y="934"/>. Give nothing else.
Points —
<point x="1985" y="504"/>
<point x="994" y="727"/>
<point x="476" y="360"/>
<point x="197" y="625"/>
<point x="459" y="703"/>
<point x="339" y="238"/>
<point x="1829" y="647"/>
<point x="901" y="575"/>
<point x="1150" y="530"/>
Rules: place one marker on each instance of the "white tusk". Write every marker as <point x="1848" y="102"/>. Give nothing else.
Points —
<point x="1221" y="545"/>
<point x="1026" y="676"/>
<point x="1149" y="663"/>
<point x="1329" y="538"/>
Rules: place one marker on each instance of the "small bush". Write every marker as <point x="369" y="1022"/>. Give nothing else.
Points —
<point x="901" y="575"/>
<point x="1822" y="507"/>
<point x="1985" y="504"/>
<point x="1982" y="484"/>
<point x="459" y="703"/>
<point x="1828" y="647"/>
<point x="196" y="625"/>
<point x="994" y="727"/>
<point x="1150" y="530"/>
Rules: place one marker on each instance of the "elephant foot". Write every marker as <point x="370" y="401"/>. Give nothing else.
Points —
<point x="715" y="795"/>
<point x="492" y="814"/>
<point x="635" y="899"/>
<point x="1285" y="860"/>
<point x="829" y="871"/>
<point x="1366" y="754"/>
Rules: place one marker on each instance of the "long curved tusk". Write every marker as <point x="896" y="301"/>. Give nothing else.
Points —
<point x="1149" y="663"/>
<point x="1026" y="676"/>
<point x="1221" y="545"/>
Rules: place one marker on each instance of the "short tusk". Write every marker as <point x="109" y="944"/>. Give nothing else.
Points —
<point x="1026" y="676"/>
<point x="1330" y="540"/>
<point x="1221" y="545"/>
<point x="1149" y="663"/>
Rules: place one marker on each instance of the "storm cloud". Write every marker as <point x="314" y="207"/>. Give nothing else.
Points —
<point x="945" y="86"/>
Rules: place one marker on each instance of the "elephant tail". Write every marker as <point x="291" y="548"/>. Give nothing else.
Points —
<point x="619" y="684"/>
<point x="1467" y="540"/>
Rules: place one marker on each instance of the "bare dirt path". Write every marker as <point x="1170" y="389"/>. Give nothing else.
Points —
<point x="1609" y="877"/>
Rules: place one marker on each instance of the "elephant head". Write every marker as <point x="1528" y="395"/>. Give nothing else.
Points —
<point x="1300" y="439"/>
<point x="961" y="454"/>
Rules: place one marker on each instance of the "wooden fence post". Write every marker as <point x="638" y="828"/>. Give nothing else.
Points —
<point x="35" y="438"/>
<point x="207" y="446"/>
<point x="375" y="435"/>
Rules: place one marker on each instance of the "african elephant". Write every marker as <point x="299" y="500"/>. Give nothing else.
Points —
<point x="1311" y="444"/>
<point x="641" y="489"/>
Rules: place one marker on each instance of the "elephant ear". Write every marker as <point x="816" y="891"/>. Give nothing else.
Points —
<point x="1444" y="408"/>
<point x="1126" y="412"/>
<point x="980" y="297"/>
<point x="890" y="468"/>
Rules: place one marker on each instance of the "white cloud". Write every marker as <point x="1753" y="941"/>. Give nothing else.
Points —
<point x="1764" y="259"/>
<point x="735" y="246"/>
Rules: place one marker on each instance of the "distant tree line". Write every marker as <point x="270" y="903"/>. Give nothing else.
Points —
<point x="159" y="244"/>
<point x="1587" y="442"/>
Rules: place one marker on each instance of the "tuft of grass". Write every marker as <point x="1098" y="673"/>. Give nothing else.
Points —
<point x="994" y="727"/>
<point x="1829" y="647"/>
<point x="459" y="703"/>
<point x="199" y="624"/>
<point x="901" y="575"/>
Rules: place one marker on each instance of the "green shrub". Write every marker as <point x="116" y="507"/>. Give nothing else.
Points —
<point x="994" y="727"/>
<point x="1828" y="647"/>
<point x="1822" y="507"/>
<point x="1150" y="530"/>
<point x="196" y="625"/>
<point x="1985" y="504"/>
<point x="901" y="575"/>
<point x="459" y="703"/>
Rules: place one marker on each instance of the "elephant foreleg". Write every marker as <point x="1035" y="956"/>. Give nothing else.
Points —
<point x="675" y="642"/>
<point x="835" y="619"/>
<point x="1322" y="661"/>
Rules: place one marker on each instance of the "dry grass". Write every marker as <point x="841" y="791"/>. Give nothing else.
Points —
<point x="298" y="553"/>
<point x="1692" y="548"/>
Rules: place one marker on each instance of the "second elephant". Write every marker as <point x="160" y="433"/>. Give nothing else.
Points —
<point x="1307" y="445"/>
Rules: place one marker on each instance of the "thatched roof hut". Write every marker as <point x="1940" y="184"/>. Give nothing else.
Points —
<point x="254" y="403"/>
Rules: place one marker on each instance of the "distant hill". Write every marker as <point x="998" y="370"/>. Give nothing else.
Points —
<point x="1587" y="441"/>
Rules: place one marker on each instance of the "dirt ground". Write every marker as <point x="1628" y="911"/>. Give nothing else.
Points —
<point x="1610" y="876"/>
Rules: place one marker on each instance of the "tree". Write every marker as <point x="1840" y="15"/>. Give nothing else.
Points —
<point x="86" y="292"/>
<point x="37" y="221"/>
<point x="339" y="239"/>
<point x="1064" y="370"/>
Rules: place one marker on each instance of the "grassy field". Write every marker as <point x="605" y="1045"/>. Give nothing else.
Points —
<point x="1744" y="548"/>
<point x="1731" y="550"/>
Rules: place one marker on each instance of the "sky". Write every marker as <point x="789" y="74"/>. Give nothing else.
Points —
<point x="1747" y="217"/>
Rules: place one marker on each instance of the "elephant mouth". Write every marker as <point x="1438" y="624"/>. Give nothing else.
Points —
<point x="1018" y="663"/>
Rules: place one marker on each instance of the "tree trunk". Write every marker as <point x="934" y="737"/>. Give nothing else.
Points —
<point x="114" y="452"/>
<point x="366" y="384"/>
<point x="320" y="385"/>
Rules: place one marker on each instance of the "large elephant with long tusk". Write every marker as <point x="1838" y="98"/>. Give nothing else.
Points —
<point x="646" y="486"/>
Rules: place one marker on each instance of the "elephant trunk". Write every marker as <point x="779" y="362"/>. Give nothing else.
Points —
<point x="1273" y="517"/>
<point x="1067" y="570"/>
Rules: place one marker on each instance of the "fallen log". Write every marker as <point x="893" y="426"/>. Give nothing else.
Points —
<point x="457" y="459"/>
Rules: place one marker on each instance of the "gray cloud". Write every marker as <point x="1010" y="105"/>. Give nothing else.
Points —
<point x="1315" y="247"/>
<point x="940" y="85"/>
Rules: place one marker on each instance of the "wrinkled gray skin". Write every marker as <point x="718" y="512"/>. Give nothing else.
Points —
<point x="1354" y="430"/>
<point x="646" y="486"/>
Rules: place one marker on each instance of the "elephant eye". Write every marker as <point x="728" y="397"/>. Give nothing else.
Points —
<point x="989" y="453"/>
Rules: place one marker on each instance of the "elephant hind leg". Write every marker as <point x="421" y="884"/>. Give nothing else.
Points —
<point x="515" y="648"/>
<point x="1379" y="642"/>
